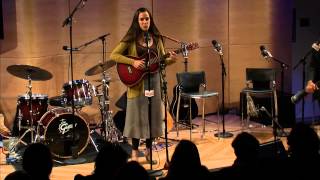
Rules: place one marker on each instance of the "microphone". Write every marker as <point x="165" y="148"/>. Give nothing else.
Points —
<point x="265" y="53"/>
<point x="217" y="47"/>
<point x="298" y="96"/>
<point x="146" y="37"/>
<point x="66" y="48"/>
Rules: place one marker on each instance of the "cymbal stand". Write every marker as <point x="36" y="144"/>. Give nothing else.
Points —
<point x="110" y="131"/>
<point x="30" y="129"/>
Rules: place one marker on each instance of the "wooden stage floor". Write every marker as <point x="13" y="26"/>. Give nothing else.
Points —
<point x="214" y="152"/>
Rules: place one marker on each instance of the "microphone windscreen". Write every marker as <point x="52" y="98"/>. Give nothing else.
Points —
<point x="262" y="48"/>
<point x="214" y="43"/>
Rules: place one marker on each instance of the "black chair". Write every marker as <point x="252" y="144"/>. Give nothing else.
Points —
<point x="260" y="82"/>
<point x="193" y="85"/>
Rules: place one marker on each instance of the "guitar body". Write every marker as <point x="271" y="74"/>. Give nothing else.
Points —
<point x="184" y="106"/>
<point x="131" y="76"/>
<point x="170" y="123"/>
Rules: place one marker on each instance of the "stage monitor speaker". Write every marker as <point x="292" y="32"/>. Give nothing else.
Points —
<point x="272" y="150"/>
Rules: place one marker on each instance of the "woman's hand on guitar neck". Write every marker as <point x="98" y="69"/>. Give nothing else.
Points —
<point x="138" y="64"/>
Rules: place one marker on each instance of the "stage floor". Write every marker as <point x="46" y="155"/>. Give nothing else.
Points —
<point x="214" y="152"/>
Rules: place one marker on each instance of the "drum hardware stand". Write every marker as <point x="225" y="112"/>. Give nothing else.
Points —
<point x="111" y="133"/>
<point x="30" y="128"/>
<point x="92" y="141"/>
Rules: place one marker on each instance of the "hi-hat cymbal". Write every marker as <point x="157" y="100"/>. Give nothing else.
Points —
<point x="27" y="71"/>
<point x="99" y="68"/>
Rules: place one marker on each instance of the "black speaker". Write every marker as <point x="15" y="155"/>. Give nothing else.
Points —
<point x="272" y="150"/>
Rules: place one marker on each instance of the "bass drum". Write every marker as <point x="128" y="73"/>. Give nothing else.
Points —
<point x="58" y="132"/>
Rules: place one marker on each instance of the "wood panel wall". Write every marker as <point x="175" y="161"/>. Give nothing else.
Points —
<point x="34" y="35"/>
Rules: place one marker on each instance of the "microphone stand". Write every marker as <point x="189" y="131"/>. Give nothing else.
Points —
<point x="102" y="38"/>
<point x="149" y="93"/>
<point x="223" y="134"/>
<point x="165" y="93"/>
<point x="303" y="62"/>
<point x="283" y="66"/>
<point x="68" y="21"/>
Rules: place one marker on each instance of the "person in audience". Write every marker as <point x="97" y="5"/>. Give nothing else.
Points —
<point x="132" y="170"/>
<point x="304" y="157"/>
<point x="108" y="162"/>
<point x="18" y="175"/>
<point x="37" y="161"/>
<point x="246" y="149"/>
<point x="185" y="163"/>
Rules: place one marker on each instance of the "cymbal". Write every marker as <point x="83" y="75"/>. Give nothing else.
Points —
<point x="99" y="68"/>
<point x="25" y="71"/>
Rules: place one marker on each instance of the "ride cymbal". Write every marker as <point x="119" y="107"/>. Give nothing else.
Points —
<point x="27" y="71"/>
<point x="99" y="68"/>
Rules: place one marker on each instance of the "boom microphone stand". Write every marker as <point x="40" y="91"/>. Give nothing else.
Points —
<point x="283" y="67"/>
<point x="218" y="48"/>
<point x="71" y="145"/>
<point x="165" y="93"/>
<point x="303" y="62"/>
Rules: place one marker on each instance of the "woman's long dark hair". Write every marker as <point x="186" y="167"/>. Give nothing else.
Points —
<point x="135" y="30"/>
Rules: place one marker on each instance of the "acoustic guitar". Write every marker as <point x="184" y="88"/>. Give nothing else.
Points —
<point x="184" y="110"/>
<point x="184" y="106"/>
<point x="131" y="76"/>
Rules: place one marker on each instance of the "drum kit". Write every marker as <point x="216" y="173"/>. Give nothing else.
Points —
<point x="55" y="126"/>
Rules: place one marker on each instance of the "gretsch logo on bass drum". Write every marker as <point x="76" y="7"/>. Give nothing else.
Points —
<point x="64" y="127"/>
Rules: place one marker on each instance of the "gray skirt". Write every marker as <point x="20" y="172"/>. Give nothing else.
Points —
<point x="137" y="121"/>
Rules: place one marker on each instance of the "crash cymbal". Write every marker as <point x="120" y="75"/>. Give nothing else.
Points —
<point x="25" y="71"/>
<point x="99" y="68"/>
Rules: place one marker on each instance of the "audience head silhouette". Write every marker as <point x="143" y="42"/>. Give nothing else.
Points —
<point x="185" y="162"/>
<point x="246" y="147"/>
<point x="37" y="161"/>
<point x="303" y="142"/>
<point x="132" y="170"/>
<point x="18" y="175"/>
<point x="108" y="162"/>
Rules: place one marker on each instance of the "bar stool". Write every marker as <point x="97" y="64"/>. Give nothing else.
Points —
<point x="259" y="82"/>
<point x="193" y="85"/>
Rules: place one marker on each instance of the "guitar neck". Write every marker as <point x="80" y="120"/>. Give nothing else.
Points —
<point x="177" y="51"/>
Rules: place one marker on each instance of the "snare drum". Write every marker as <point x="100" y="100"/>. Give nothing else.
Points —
<point x="79" y="91"/>
<point x="57" y="128"/>
<point x="39" y="103"/>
